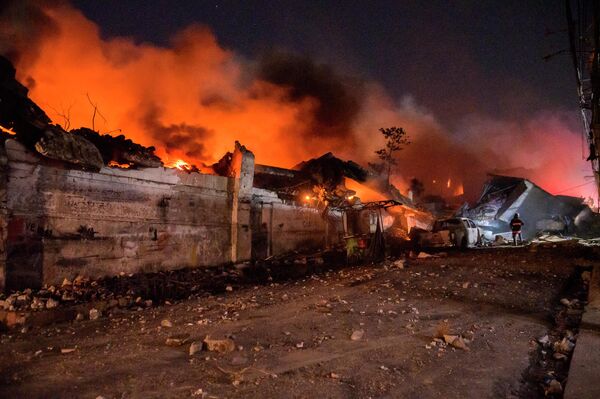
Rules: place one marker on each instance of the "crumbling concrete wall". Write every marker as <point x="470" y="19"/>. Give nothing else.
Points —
<point x="65" y="222"/>
<point x="57" y="222"/>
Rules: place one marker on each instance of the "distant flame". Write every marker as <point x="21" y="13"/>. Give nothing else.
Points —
<point x="459" y="190"/>
<point x="6" y="130"/>
<point x="449" y="183"/>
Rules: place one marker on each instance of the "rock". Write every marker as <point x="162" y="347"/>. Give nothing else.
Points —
<point x="195" y="347"/>
<point x="94" y="314"/>
<point x="148" y="303"/>
<point x="219" y="345"/>
<point x="357" y="335"/>
<point x="79" y="280"/>
<point x="564" y="346"/>
<point x="399" y="264"/>
<point x="544" y="341"/>
<point x="4" y="304"/>
<point x="66" y="283"/>
<point x="424" y="255"/>
<point x="36" y="304"/>
<point x="51" y="303"/>
<point x="300" y="345"/>
<point x="123" y="302"/>
<point x="554" y="387"/>
<point x="466" y="285"/>
<point x="79" y="317"/>
<point x="64" y="351"/>
<point x="333" y="375"/>
<point x="565" y="302"/>
<point x="176" y="340"/>
<point x="229" y="288"/>
<point x="166" y="323"/>
<point x="113" y="303"/>
<point x="67" y="296"/>
<point x="456" y="341"/>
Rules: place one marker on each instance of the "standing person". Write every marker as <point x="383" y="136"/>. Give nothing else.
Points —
<point x="515" y="226"/>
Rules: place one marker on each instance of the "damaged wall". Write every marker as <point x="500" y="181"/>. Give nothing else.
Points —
<point x="59" y="222"/>
<point x="65" y="222"/>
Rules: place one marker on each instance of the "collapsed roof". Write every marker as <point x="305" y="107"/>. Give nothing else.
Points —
<point x="503" y="196"/>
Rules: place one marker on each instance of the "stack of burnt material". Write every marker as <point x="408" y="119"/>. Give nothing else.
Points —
<point x="81" y="148"/>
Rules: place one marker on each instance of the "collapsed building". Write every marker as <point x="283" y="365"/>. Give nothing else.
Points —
<point x="503" y="196"/>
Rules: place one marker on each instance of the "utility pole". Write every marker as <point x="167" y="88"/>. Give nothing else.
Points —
<point x="584" y="44"/>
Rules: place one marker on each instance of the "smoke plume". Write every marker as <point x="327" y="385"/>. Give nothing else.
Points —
<point x="193" y="98"/>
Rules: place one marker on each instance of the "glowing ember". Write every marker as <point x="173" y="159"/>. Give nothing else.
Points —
<point x="5" y="130"/>
<point x="114" y="164"/>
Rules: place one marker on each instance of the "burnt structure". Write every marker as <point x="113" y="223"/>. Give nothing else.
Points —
<point x="503" y="196"/>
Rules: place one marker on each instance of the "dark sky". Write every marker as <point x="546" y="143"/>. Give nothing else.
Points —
<point x="455" y="57"/>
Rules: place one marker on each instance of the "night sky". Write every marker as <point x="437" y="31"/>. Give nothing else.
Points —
<point x="471" y="57"/>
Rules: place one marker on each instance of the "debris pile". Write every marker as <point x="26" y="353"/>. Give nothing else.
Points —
<point x="542" y="212"/>
<point x="82" y="148"/>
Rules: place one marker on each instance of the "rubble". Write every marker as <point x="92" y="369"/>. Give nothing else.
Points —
<point x="177" y="340"/>
<point x="195" y="347"/>
<point x="95" y="314"/>
<point x="357" y="335"/>
<point x="57" y="144"/>
<point x="542" y="212"/>
<point x="219" y="345"/>
<point x="456" y="341"/>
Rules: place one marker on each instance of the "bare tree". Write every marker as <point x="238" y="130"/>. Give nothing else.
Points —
<point x="96" y="112"/>
<point x="396" y="139"/>
<point x="65" y="115"/>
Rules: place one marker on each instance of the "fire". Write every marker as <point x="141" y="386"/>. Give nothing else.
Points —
<point x="449" y="183"/>
<point x="114" y="164"/>
<point x="363" y="192"/>
<point x="7" y="130"/>
<point x="180" y="164"/>
<point x="459" y="190"/>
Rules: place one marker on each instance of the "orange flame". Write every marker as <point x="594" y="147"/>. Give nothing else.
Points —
<point x="179" y="164"/>
<point x="7" y="130"/>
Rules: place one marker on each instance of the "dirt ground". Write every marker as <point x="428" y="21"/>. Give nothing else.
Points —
<point x="293" y="338"/>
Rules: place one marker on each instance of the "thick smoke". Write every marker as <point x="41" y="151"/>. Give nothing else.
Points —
<point x="193" y="99"/>
<point x="337" y="99"/>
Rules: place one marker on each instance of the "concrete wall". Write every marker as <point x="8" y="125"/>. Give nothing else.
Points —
<point x="279" y="228"/>
<point x="57" y="222"/>
<point x="65" y="222"/>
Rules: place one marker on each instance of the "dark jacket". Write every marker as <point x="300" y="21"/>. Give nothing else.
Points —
<point x="516" y="224"/>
